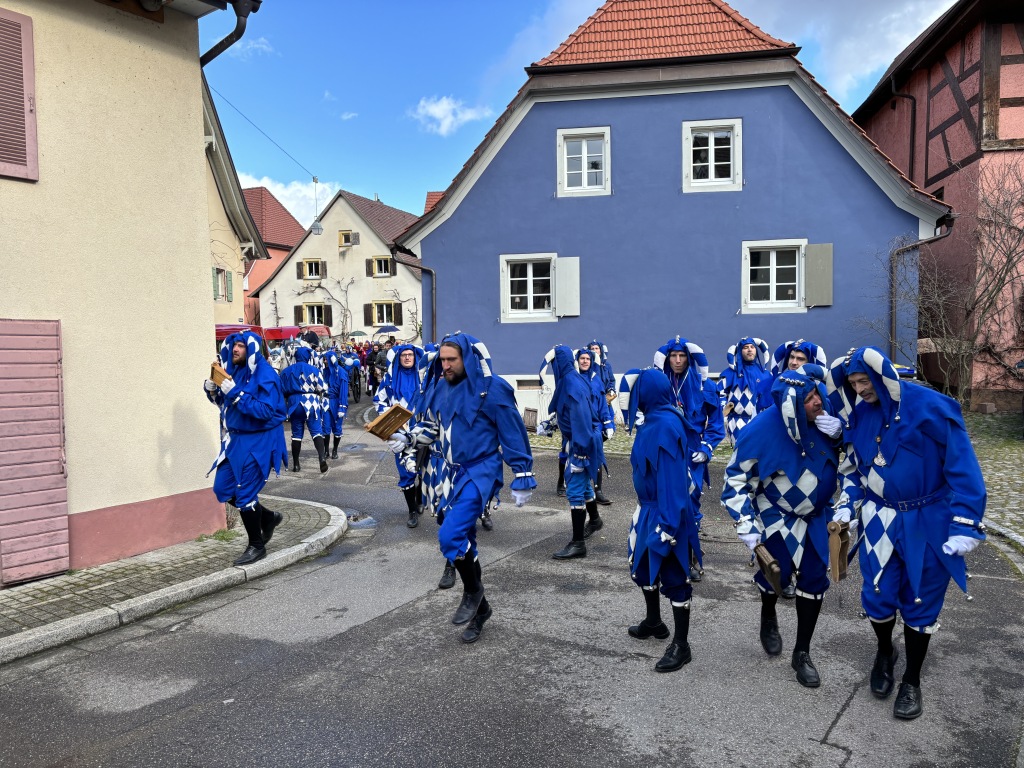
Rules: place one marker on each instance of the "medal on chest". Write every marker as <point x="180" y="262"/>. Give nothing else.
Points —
<point x="879" y="460"/>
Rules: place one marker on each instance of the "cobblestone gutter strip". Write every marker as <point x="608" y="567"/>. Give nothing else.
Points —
<point x="117" y="614"/>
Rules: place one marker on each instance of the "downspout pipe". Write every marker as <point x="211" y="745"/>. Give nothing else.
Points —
<point x="946" y="221"/>
<point x="913" y="123"/>
<point x="433" y="287"/>
<point x="242" y="10"/>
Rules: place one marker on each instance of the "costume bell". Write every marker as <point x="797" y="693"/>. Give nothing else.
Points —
<point x="912" y="479"/>
<point x="304" y="388"/>
<point x="741" y="382"/>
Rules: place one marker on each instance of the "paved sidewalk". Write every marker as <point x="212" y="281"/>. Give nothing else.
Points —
<point x="47" y="613"/>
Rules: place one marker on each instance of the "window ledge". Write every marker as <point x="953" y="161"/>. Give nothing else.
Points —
<point x="529" y="319"/>
<point x="773" y="310"/>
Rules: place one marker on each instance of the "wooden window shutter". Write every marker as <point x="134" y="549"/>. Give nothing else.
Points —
<point x="231" y="292"/>
<point x="19" y="146"/>
<point x="298" y="315"/>
<point x="818" y="275"/>
<point x="323" y="271"/>
<point x="394" y="266"/>
<point x="328" y="315"/>
<point x="355" y="238"/>
<point x="398" y="313"/>
<point x="216" y="285"/>
<point x="369" y="267"/>
<point x="298" y="270"/>
<point x="367" y="314"/>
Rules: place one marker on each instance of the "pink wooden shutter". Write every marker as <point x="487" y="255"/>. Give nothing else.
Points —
<point x="33" y="479"/>
<point x="19" y="157"/>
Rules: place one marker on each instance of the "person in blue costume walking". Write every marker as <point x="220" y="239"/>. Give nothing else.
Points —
<point x="577" y="408"/>
<point x="778" y="488"/>
<point x="304" y="388"/>
<point x="339" y="367"/>
<point x="686" y="366"/>
<point x="471" y="422"/>
<point x="594" y="373"/>
<point x="601" y="363"/>
<point x="663" y="537"/>
<point x="912" y="479"/>
<point x="400" y="386"/>
<point x="252" y="410"/>
<point x="740" y="385"/>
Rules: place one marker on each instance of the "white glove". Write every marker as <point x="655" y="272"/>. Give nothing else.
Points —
<point x="698" y="457"/>
<point x="398" y="442"/>
<point x="841" y="516"/>
<point x="750" y="539"/>
<point x="608" y="433"/>
<point x="209" y="386"/>
<point x="959" y="545"/>
<point x="639" y="419"/>
<point x="828" y="425"/>
<point x="573" y="469"/>
<point x="544" y="429"/>
<point x="227" y="385"/>
<point x="409" y="463"/>
<point x="521" y="497"/>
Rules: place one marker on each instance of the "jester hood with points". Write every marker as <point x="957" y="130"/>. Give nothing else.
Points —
<point x="603" y="366"/>
<point x="753" y="371"/>
<point x="303" y="384"/>
<point x="400" y="385"/>
<point x="688" y="388"/>
<point x="575" y="403"/>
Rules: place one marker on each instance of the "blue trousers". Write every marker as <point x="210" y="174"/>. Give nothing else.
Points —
<point x="245" y="489"/>
<point x="457" y="534"/>
<point x="894" y="592"/>
<point x="578" y="488"/>
<point x="299" y="420"/>
<point x="811" y="579"/>
<point x="673" y="575"/>
<point x="335" y="416"/>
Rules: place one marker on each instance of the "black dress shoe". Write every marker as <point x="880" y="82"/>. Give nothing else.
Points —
<point x="560" y="490"/>
<point x="695" y="575"/>
<point x="675" y="656"/>
<point x="413" y="520"/>
<point x="771" y="640"/>
<point x="324" y="466"/>
<point x="789" y="591"/>
<point x="882" y="679"/>
<point x="908" y="702"/>
<point x="447" y="578"/>
<point x="806" y="673"/>
<point x="472" y="633"/>
<point x="643" y="630"/>
<point x="601" y="499"/>
<point x="592" y="527"/>
<point x="251" y="555"/>
<point x="571" y="550"/>
<point x="468" y="607"/>
<point x="295" y="466"/>
<point x="334" y="453"/>
<point x="268" y="532"/>
<point x="487" y="523"/>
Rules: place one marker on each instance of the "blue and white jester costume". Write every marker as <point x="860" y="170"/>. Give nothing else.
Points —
<point x="472" y="422"/>
<point x="338" y="370"/>
<point x="304" y="388"/>
<point x="577" y="407"/>
<point x="912" y="479"/>
<point x="811" y="352"/>
<point x="401" y="386"/>
<point x="663" y="537"/>
<point x="603" y="382"/>
<point x="740" y="385"/>
<point x="603" y="366"/>
<point x="778" y="488"/>
<point x="252" y="409"/>
<point x="698" y="397"/>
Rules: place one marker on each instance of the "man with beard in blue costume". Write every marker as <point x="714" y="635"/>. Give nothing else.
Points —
<point x="740" y="385"/>
<point x="471" y="421"/>
<point x="252" y="410"/>
<point x="687" y="369"/>
<point x="586" y="364"/>
<point x="663" y="537"/>
<point x="778" y="488"/>
<point x="304" y="387"/>
<point x="912" y="478"/>
<point x="400" y="386"/>
<point x="576" y="407"/>
<point x="339" y="367"/>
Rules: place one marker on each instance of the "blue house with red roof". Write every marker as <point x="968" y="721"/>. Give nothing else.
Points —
<point x="669" y="169"/>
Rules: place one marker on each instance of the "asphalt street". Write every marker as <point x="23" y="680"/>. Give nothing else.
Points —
<point x="350" y="659"/>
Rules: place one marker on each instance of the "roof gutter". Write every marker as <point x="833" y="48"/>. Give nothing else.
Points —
<point x="946" y="221"/>
<point x="558" y="69"/>
<point x="433" y="286"/>
<point x="242" y="10"/>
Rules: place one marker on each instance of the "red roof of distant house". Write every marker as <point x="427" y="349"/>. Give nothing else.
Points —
<point x="648" y="30"/>
<point x="433" y="198"/>
<point x="386" y="221"/>
<point x="276" y="225"/>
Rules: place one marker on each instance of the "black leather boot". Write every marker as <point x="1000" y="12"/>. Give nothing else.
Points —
<point x="448" y="577"/>
<point x="256" y="549"/>
<point x="473" y="590"/>
<point x="595" y="523"/>
<point x="296" y="449"/>
<point x="321" y="453"/>
<point x="598" y="496"/>
<point x="269" y="520"/>
<point x="560" y="488"/>
<point x="577" y="547"/>
<point x="334" y="450"/>
<point x="414" y="511"/>
<point x="476" y="625"/>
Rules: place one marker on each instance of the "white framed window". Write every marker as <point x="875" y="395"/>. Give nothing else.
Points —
<point x="222" y="285"/>
<point x="311" y="270"/>
<point x="383" y="313"/>
<point x="314" y="314"/>
<point x="713" y="155"/>
<point x="382" y="266"/>
<point x="773" y="276"/>
<point x="584" y="161"/>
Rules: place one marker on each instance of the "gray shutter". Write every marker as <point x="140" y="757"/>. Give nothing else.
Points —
<point x="323" y="271"/>
<point x="298" y="270"/>
<point x="567" y="286"/>
<point x="355" y="238"/>
<point x="394" y="266"/>
<point x="231" y="290"/>
<point x="19" y="155"/>
<point x="398" y="313"/>
<point x="328" y="315"/>
<point x="216" y="285"/>
<point x="818" y="275"/>
<point x="369" y="267"/>
<point x="368" y="314"/>
<point x="298" y="315"/>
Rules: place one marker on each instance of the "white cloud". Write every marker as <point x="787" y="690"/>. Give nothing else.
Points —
<point x="445" y="114"/>
<point x="328" y="96"/>
<point x="349" y="115"/>
<point x="246" y="48"/>
<point x="296" y="196"/>
<point x="847" y="46"/>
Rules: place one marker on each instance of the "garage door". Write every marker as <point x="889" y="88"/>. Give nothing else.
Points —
<point x="33" y="479"/>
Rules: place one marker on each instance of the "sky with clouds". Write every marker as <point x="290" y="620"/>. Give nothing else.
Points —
<point x="391" y="98"/>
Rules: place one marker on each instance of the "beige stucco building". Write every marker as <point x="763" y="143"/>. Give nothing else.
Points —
<point x="110" y="245"/>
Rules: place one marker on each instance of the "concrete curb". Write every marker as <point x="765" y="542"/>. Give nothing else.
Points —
<point x="1006" y="533"/>
<point x="117" y="614"/>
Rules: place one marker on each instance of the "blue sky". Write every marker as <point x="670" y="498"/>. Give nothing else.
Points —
<point x="391" y="98"/>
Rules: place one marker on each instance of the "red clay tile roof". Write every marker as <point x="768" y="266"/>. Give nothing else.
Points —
<point x="432" y="199"/>
<point x="276" y="225"/>
<point x="386" y="221"/>
<point x="648" y="30"/>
